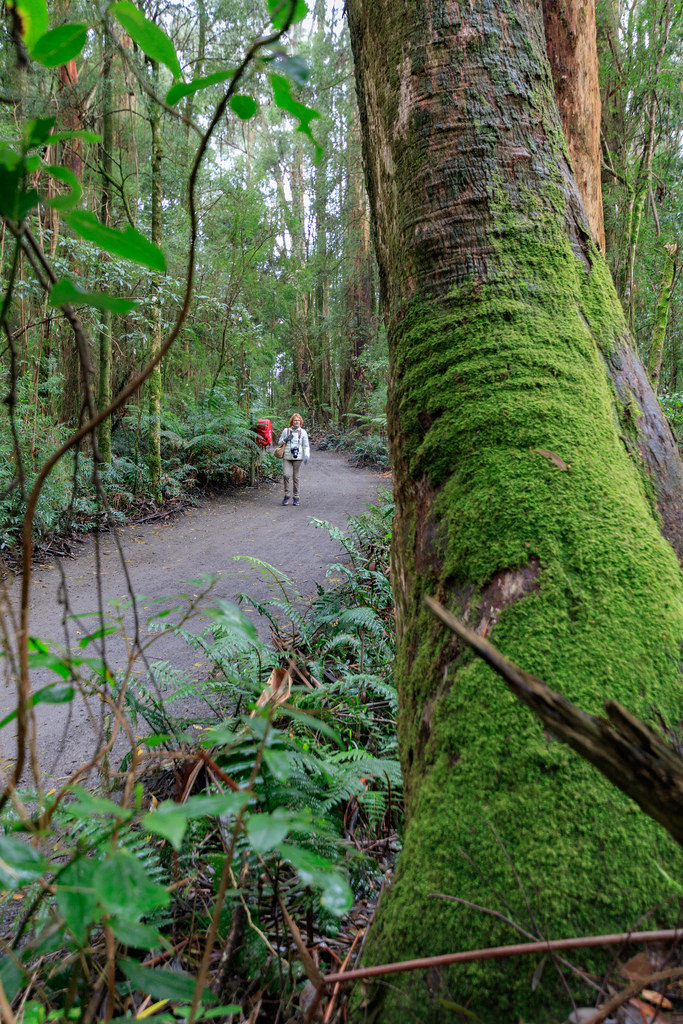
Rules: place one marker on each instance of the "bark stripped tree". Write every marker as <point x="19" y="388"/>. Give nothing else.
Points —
<point x="525" y="502"/>
<point x="573" y="54"/>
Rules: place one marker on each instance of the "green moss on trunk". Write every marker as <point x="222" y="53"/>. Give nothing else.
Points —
<point x="662" y="315"/>
<point x="488" y="386"/>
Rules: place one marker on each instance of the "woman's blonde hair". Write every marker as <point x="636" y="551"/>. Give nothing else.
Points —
<point x="296" y="414"/>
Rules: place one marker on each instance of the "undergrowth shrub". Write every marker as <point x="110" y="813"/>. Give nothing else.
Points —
<point x="250" y="803"/>
<point x="364" y="449"/>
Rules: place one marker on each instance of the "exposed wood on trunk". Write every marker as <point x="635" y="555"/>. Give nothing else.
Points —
<point x="573" y="54"/>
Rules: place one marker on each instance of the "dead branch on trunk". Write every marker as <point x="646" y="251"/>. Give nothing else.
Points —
<point x="630" y="754"/>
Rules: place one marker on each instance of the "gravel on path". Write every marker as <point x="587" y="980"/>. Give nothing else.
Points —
<point x="160" y="556"/>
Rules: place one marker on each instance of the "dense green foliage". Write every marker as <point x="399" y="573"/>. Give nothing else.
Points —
<point x="317" y="780"/>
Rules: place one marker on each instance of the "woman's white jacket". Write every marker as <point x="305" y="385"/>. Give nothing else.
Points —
<point x="292" y="434"/>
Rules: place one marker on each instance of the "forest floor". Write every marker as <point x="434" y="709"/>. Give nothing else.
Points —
<point x="160" y="557"/>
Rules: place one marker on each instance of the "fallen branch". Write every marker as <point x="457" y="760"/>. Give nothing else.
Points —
<point x="500" y="952"/>
<point x="637" y="986"/>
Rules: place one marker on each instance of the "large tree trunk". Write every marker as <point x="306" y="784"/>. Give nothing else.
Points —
<point x="523" y="433"/>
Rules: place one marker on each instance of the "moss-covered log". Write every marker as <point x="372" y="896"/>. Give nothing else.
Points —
<point x="524" y="434"/>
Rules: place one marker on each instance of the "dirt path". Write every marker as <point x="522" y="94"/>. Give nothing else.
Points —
<point x="160" y="557"/>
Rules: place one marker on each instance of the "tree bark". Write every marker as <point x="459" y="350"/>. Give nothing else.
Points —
<point x="523" y="431"/>
<point x="573" y="54"/>
<point x="105" y="334"/>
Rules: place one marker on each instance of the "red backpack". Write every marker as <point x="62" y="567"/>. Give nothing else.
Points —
<point x="264" y="433"/>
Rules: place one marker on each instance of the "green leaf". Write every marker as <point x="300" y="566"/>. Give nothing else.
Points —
<point x="11" y="976"/>
<point x="59" y="45"/>
<point x="67" y="293"/>
<point x="36" y="644"/>
<point x="279" y="11"/>
<point x="282" y="94"/>
<point x="294" y="68"/>
<point x="181" y="89"/>
<point x="149" y="37"/>
<point x="244" y="106"/>
<point x="19" y="863"/>
<point x="124" y="887"/>
<point x="103" y="630"/>
<point x="320" y="873"/>
<point x="137" y="935"/>
<point x="77" y="897"/>
<point x="87" y="806"/>
<point x="33" y="20"/>
<point x="37" y="131"/>
<point x="232" y="618"/>
<point x="162" y="984"/>
<point x="183" y="1012"/>
<point x="170" y="819"/>
<point x="314" y="723"/>
<point x="128" y="244"/>
<point x="279" y="764"/>
<point x="52" y="661"/>
<point x="266" y="831"/>
<point x="80" y="133"/>
<point x="64" y="202"/>
<point x="52" y="694"/>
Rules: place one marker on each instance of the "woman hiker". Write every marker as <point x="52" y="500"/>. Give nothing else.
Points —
<point x="297" y="450"/>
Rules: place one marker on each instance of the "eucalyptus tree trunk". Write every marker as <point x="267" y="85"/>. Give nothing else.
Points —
<point x="301" y="383"/>
<point x="662" y="314"/>
<point x="154" y="383"/>
<point x="105" y="334"/>
<point x="320" y="397"/>
<point x="531" y="467"/>
<point x="572" y="47"/>
<point x="359" y="288"/>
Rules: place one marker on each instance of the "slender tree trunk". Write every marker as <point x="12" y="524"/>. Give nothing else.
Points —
<point x="201" y="56"/>
<point x="154" y="384"/>
<point x="302" y="305"/>
<point x="522" y="431"/>
<point x="359" y="291"/>
<point x="662" y="314"/>
<point x="105" y="335"/>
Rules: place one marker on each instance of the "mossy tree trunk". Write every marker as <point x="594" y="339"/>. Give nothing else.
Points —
<point x="523" y="433"/>
<point x="662" y="314"/>
<point x="154" y="383"/>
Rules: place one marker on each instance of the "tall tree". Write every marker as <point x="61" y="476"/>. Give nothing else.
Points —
<point x="154" y="385"/>
<point x="107" y="165"/>
<point x="523" y="432"/>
